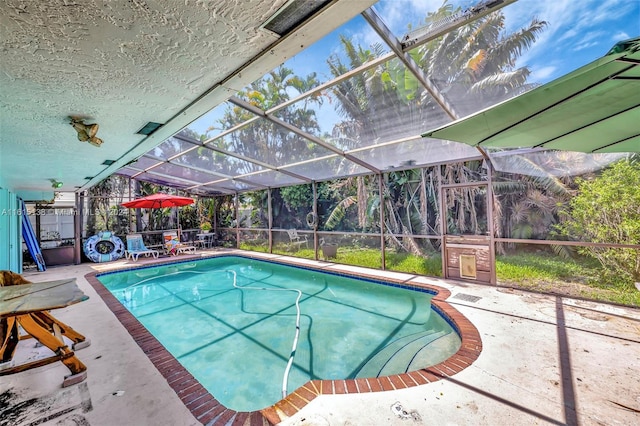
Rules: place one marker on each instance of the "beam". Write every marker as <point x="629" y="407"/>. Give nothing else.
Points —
<point x="383" y="31"/>
<point x="244" y="158"/>
<point x="439" y="28"/>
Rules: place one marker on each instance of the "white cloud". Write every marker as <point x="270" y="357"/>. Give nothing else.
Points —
<point x="583" y="25"/>
<point x="619" y="36"/>
<point x="542" y="74"/>
<point x="369" y="37"/>
<point x="610" y="10"/>
<point x="591" y="37"/>
<point x="583" y="46"/>
<point x="570" y="33"/>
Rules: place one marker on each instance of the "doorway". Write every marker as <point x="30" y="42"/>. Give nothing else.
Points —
<point x="468" y="250"/>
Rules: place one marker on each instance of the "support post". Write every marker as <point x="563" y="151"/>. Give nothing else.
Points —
<point x="236" y="206"/>
<point x="443" y="222"/>
<point x="129" y="210"/>
<point x="270" y="220"/>
<point x="77" y="228"/>
<point x="314" y="185"/>
<point x="382" y="246"/>
<point x="490" y="225"/>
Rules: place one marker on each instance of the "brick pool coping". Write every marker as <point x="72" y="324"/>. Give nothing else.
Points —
<point x="209" y="411"/>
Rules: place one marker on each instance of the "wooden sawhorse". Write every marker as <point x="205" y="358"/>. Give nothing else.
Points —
<point x="27" y="306"/>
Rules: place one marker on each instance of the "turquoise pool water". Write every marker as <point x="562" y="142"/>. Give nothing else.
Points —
<point x="232" y="322"/>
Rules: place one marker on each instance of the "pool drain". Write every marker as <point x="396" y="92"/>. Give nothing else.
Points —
<point x="467" y="297"/>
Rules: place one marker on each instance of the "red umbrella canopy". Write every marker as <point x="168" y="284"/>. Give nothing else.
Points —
<point x="157" y="201"/>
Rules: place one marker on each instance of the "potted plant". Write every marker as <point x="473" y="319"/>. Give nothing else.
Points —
<point x="205" y="227"/>
<point x="329" y="250"/>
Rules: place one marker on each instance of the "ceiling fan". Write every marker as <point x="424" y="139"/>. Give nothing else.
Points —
<point x="86" y="132"/>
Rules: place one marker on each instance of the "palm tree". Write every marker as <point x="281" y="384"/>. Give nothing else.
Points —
<point x="264" y="139"/>
<point x="473" y="65"/>
<point x="104" y="200"/>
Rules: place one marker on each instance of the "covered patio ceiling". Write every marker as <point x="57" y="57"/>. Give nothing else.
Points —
<point x="130" y="66"/>
<point x="217" y="98"/>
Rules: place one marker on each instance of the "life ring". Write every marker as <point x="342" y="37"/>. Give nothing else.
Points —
<point x="103" y="247"/>
<point x="312" y="220"/>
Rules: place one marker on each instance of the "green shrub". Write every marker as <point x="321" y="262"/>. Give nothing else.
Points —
<point x="607" y="210"/>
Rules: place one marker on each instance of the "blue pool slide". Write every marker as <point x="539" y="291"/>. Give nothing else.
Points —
<point x="29" y="237"/>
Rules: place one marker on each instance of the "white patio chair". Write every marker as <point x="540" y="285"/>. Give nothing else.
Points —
<point x="296" y="240"/>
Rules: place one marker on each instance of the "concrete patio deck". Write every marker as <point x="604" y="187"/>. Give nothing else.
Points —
<point x="545" y="360"/>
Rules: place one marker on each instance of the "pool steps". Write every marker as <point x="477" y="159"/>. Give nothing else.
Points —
<point x="405" y="354"/>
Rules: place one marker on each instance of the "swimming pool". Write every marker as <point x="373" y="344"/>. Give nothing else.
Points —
<point x="218" y="319"/>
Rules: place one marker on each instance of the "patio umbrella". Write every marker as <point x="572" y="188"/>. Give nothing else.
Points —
<point x="595" y="108"/>
<point x="158" y="201"/>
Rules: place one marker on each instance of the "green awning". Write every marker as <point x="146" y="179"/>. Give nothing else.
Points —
<point x="592" y="109"/>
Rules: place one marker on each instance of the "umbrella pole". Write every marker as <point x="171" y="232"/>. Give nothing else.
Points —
<point x="178" y="220"/>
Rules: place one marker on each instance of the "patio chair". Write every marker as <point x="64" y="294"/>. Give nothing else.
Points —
<point x="173" y="246"/>
<point x="136" y="247"/>
<point x="297" y="240"/>
<point x="205" y="240"/>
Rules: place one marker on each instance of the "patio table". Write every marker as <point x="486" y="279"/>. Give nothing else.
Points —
<point x="205" y="239"/>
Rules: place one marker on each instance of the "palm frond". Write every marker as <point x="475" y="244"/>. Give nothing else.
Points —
<point x="537" y="174"/>
<point x="510" y="80"/>
<point x="338" y="213"/>
<point x="564" y="252"/>
<point x="514" y="44"/>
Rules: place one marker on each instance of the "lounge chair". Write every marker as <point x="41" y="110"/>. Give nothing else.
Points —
<point x="136" y="247"/>
<point x="173" y="246"/>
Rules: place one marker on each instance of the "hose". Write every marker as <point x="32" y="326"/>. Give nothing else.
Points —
<point x="294" y="345"/>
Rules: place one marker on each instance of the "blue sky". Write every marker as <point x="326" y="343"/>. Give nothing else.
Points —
<point x="578" y="32"/>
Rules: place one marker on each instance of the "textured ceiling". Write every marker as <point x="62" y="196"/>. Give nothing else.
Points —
<point x="122" y="64"/>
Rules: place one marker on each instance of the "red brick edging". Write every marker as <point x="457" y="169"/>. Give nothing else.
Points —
<point x="209" y="411"/>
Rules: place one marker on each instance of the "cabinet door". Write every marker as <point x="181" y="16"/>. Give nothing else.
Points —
<point x="10" y="232"/>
